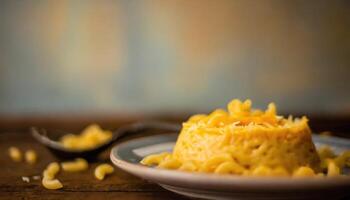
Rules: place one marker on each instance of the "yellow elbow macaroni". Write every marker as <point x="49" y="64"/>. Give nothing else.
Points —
<point x="170" y="164"/>
<point x="304" y="172"/>
<point x="30" y="156"/>
<point x="102" y="170"/>
<point x="229" y="167"/>
<point x="79" y="164"/>
<point x="223" y="164"/>
<point x="333" y="169"/>
<point x="90" y="137"/>
<point x="155" y="159"/>
<point x="49" y="181"/>
<point x="51" y="184"/>
<point x="51" y="170"/>
<point x="262" y="171"/>
<point x="189" y="166"/>
<point x="15" y="154"/>
<point x="249" y="142"/>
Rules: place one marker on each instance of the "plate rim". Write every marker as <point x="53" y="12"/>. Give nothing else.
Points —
<point x="216" y="182"/>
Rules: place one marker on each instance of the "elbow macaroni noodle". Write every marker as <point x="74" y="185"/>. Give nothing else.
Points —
<point x="102" y="170"/>
<point x="304" y="172"/>
<point x="51" y="170"/>
<point x="79" y="164"/>
<point x="15" y="154"/>
<point x="49" y="181"/>
<point x="248" y="142"/>
<point x="30" y="156"/>
<point x="52" y="184"/>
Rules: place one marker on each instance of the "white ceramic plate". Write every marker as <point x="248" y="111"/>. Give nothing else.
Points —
<point x="127" y="156"/>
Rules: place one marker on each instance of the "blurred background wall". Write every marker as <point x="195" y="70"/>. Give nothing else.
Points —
<point x="168" y="56"/>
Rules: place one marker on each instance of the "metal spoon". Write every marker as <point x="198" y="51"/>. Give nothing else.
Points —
<point x="49" y="138"/>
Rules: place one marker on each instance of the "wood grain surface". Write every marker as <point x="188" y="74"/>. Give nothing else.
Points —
<point x="81" y="185"/>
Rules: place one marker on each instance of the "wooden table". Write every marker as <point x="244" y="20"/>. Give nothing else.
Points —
<point x="83" y="185"/>
<point x="80" y="185"/>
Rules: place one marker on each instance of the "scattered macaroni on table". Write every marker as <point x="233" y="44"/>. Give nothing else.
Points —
<point x="102" y="170"/>
<point x="30" y="156"/>
<point x="77" y="165"/>
<point x="15" y="154"/>
<point x="52" y="184"/>
<point x="91" y="136"/>
<point x="49" y="181"/>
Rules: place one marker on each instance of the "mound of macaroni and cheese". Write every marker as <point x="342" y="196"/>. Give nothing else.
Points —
<point x="246" y="141"/>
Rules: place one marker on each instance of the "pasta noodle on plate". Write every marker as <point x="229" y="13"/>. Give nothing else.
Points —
<point x="249" y="142"/>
